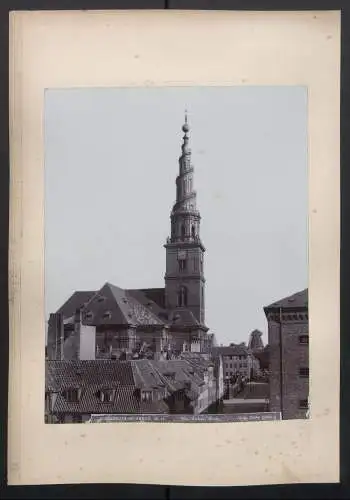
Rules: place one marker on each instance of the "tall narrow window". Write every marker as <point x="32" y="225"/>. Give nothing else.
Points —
<point x="183" y="231"/>
<point x="182" y="297"/>
<point x="193" y="231"/>
<point x="182" y="265"/>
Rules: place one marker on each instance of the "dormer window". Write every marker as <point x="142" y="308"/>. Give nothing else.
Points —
<point x="71" y="395"/>
<point x="100" y="298"/>
<point x="170" y="375"/>
<point x="89" y="315"/>
<point x="105" y="395"/>
<point x="146" y="395"/>
<point x="107" y="315"/>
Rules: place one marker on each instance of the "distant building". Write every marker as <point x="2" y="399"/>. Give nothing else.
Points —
<point x="237" y="360"/>
<point x="117" y="323"/>
<point x="288" y="334"/>
<point x="255" y="343"/>
<point x="264" y="357"/>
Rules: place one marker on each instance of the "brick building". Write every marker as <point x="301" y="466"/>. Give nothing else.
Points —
<point x="156" y="319"/>
<point x="288" y="339"/>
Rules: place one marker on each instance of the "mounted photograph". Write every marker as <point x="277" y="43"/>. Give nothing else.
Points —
<point x="176" y="254"/>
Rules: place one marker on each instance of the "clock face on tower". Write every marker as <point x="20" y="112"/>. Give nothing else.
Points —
<point x="182" y="255"/>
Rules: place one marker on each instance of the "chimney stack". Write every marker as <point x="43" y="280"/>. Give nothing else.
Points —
<point x="55" y="337"/>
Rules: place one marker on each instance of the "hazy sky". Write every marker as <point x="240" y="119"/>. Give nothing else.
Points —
<point x="111" y="163"/>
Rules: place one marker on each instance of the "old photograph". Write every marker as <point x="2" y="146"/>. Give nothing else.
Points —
<point x="176" y="254"/>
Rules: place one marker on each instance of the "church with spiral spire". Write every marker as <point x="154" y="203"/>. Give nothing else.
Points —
<point x="157" y="320"/>
<point x="184" y="277"/>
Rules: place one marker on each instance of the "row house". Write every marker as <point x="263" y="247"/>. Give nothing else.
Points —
<point x="237" y="360"/>
<point x="77" y="389"/>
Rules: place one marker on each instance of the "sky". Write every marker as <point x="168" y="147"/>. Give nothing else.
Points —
<point x="111" y="160"/>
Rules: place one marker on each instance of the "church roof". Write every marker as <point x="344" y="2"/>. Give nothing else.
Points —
<point x="144" y="299"/>
<point x="298" y="300"/>
<point x="112" y="305"/>
<point x="183" y="317"/>
<point x="75" y="301"/>
<point x="155" y="295"/>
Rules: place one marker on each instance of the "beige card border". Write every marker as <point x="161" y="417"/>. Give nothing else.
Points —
<point x="71" y="49"/>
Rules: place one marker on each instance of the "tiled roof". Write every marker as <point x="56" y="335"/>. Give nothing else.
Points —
<point x="146" y="375"/>
<point x="92" y="376"/>
<point x="113" y="305"/>
<point x="147" y="302"/>
<point x="126" y="400"/>
<point x="183" y="317"/>
<point x="156" y="295"/>
<point x="77" y="373"/>
<point x="168" y="376"/>
<point x="298" y="300"/>
<point x="236" y="350"/>
<point x="183" y="372"/>
<point x="75" y="301"/>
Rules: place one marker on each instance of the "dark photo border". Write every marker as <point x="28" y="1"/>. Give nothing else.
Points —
<point x="169" y="492"/>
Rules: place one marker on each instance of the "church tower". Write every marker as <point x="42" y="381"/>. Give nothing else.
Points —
<point x="184" y="277"/>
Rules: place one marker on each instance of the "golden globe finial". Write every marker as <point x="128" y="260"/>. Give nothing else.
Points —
<point x="186" y="127"/>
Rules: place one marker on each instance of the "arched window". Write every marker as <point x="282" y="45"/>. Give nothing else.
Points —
<point x="183" y="231"/>
<point x="182" y="297"/>
<point x="193" y="231"/>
